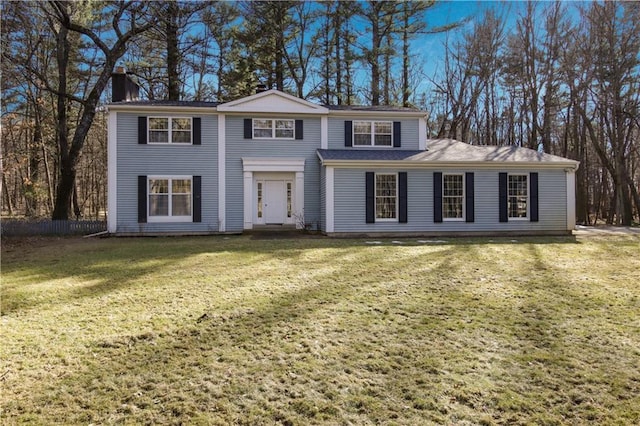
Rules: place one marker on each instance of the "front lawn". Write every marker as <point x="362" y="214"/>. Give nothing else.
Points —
<point x="235" y="330"/>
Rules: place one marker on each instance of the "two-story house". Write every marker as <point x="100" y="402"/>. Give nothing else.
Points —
<point x="274" y="160"/>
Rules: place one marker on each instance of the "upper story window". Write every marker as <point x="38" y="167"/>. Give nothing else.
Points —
<point x="170" y="130"/>
<point x="452" y="196"/>
<point x="372" y="133"/>
<point x="517" y="196"/>
<point x="266" y="128"/>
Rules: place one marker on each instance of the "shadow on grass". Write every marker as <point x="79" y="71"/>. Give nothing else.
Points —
<point x="113" y="264"/>
<point x="236" y="350"/>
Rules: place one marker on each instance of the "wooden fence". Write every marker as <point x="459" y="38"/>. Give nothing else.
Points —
<point x="12" y="227"/>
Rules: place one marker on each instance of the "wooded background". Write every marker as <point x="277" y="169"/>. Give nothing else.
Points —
<point x="559" y="77"/>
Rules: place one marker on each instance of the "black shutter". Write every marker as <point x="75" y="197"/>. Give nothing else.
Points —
<point x="396" y="135"/>
<point x="197" y="199"/>
<point x="142" y="130"/>
<point x="197" y="131"/>
<point x="533" y="187"/>
<point x="348" y="133"/>
<point x="370" y="197"/>
<point x="469" y="197"/>
<point x="248" y="128"/>
<point x="299" y="129"/>
<point x="437" y="197"/>
<point x="502" y="193"/>
<point x="142" y="199"/>
<point x="402" y="197"/>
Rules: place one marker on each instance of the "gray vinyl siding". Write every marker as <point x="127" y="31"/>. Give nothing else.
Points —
<point x="409" y="132"/>
<point x="166" y="160"/>
<point x="238" y="147"/>
<point x="349" y="199"/>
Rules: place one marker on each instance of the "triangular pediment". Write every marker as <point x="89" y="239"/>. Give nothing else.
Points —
<point x="273" y="102"/>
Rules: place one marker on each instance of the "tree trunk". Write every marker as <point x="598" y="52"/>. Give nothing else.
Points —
<point x="173" y="52"/>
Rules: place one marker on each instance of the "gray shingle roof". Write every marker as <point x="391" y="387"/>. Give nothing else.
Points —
<point x="447" y="151"/>
<point x="167" y="103"/>
<point x="390" y="108"/>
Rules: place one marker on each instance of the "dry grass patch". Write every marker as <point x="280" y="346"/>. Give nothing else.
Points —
<point x="220" y="330"/>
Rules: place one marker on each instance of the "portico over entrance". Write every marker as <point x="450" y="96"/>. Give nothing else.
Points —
<point x="273" y="191"/>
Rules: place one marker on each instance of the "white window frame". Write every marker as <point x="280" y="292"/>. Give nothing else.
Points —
<point x="170" y="217"/>
<point x="375" y="198"/>
<point x="274" y="128"/>
<point x="372" y="133"/>
<point x="169" y="130"/>
<point x="516" y="218"/>
<point x="453" y="219"/>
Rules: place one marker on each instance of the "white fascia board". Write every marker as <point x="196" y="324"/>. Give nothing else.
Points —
<point x="112" y="172"/>
<point x="452" y="164"/>
<point x="253" y="164"/>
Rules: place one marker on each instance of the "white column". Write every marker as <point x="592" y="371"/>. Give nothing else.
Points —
<point x="571" y="199"/>
<point x="299" y="200"/>
<point x="222" y="174"/>
<point x="328" y="209"/>
<point x="248" y="200"/>
<point x="112" y="172"/>
<point x="324" y="132"/>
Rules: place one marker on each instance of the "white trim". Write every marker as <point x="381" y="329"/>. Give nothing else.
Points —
<point x="329" y="199"/>
<point x="435" y="165"/>
<point x="422" y="133"/>
<point x="248" y="199"/>
<point x="372" y="133"/>
<point x="464" y="193"/>
<point x="285" y="104"/>
<point x="170" y="218"/>
<point x="375" y="198"/>
<point x="274" y="129"/>
<point x="571" y="199"/>
<point x="169" y="130"/>
<point x="528" y="213"/>
<point x="256" y="164"/>
<point x="297" y="204"/>
<point x="112" y="172"/>
<point x="324" y="132"/>
<point x="222" y="173"/>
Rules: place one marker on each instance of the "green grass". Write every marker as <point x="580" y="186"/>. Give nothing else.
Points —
<point x="233" y="330"/>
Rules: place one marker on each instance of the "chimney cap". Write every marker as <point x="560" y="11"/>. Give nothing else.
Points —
<point x="261" y="88"/>
<point x="121" y="70"/>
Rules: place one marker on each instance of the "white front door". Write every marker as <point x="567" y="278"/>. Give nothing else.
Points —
<point x="275" y="202"/>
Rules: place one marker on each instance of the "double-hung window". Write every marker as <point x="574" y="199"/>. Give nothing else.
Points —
<point x="373" y="133"/>
<point x="517" y="196"/>
<point x="386" y="192"/>
<point x="266" y="128"/>
<point x="171" y="130"/>
<point x="169" y="198"/>
<point x="452" y="196"/>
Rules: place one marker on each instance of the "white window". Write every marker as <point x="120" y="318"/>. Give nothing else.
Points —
<point x="452" y="196"/>
<point x="266" y="128"/>
<point x="175" y="130"/>
<point x="372" y="133"/>
<point x="386" y="196"/>
<point x="169" y="198"/>
<point x="517" y="196"/>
